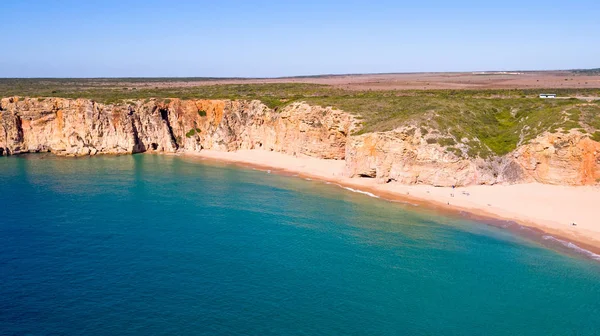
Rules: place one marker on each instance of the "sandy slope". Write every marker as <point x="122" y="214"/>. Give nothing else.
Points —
<point x="550" y="208"/>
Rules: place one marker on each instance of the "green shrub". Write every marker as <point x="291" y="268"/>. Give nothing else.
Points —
<point x="500" y="119"/>
<point x="192" y="132"/>
<point x="446" y="142"/>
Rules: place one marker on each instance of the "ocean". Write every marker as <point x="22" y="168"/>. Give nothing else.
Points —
<point x="166" y="245"/>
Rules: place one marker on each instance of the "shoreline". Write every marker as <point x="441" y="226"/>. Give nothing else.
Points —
<point x="530" y="206"/>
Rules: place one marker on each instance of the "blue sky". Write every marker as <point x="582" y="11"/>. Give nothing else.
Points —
<point x="263" y="38"/>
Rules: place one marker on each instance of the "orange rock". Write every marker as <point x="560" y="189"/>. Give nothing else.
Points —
<point x="84" y="127"/>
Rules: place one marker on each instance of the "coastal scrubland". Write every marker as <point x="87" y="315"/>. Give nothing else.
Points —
<point x="487" y="122"/>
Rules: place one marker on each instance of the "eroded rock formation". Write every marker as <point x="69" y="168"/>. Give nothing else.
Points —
<point x="552" y="158"/>
<point x="409" y="159"/>
<point x="561" y="159"/>
<point x="84" y="127"/>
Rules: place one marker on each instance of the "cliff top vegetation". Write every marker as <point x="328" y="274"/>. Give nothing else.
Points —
<point x="486" y="122"/>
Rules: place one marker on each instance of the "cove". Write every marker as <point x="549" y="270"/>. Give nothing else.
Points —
<point x="155" y="244"/>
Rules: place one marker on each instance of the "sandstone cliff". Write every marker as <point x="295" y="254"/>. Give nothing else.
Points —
<point x="84" y="127"/>
<point x="561" y="159"/>
<point x="406" y="157"/>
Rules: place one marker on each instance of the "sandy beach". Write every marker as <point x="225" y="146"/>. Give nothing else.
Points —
<point x="549" y="208"/>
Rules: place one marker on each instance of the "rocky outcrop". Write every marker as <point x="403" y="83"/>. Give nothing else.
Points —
<point x="299" y="129"/>
<point x="75" y="127"/>
<point x="406" y="157"/>
<point x="556" y="158"/>
<point x="398" y="156"/>
<point x="84" y="127"/>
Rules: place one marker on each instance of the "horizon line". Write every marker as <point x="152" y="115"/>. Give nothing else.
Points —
<point x="311" y="76"/>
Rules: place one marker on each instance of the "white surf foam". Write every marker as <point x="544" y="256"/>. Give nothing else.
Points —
<point x="572" y="246"/>
<point x="361" y="192"/>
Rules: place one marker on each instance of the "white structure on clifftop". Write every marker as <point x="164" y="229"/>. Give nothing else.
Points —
<point x="547" y="95"/>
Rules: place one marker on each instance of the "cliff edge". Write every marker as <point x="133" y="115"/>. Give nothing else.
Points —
<point x="75" y="127"/>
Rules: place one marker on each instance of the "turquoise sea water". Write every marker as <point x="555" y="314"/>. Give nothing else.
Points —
<point x="161" y="245"/>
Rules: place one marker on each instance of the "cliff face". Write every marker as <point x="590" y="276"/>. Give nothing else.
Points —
<point x="408" y="158"/>
<point x="552" y="158"/>
<point x="397" y="156"/>
<point x="83" y="127"/>
<point x="561" y="159"/>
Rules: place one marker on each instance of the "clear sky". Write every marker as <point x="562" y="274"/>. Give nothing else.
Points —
<point x="266" y="38"/>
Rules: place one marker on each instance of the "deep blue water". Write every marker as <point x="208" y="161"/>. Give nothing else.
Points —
<point x="161" y="245"/>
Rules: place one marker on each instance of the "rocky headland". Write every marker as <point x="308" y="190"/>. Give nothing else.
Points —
<point x="76" y="127"/>
<point x="549" y="181"/>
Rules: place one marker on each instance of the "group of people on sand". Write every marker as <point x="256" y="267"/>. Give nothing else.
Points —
<point x="467" y="194"/>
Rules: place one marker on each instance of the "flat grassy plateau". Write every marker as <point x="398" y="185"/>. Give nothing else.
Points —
<point x="468" y="122"/>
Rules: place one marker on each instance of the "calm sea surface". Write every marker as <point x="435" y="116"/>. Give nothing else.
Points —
<point x="162" y="245"/>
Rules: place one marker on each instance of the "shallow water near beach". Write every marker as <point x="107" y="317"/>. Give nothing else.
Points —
<point x="156" y="244"/>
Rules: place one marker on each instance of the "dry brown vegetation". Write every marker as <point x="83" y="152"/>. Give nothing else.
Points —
<point x="490" y="113"/>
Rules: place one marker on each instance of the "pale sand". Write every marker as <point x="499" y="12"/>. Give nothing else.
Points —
<point x="549" y="208"/>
